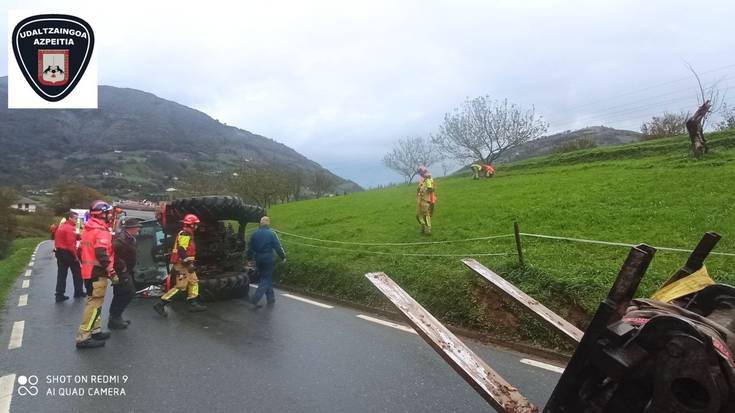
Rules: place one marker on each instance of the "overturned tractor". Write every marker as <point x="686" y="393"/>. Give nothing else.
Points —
<point x="221" y="246"/>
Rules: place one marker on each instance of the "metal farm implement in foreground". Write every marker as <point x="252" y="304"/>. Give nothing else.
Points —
<point x="670" y="355"/>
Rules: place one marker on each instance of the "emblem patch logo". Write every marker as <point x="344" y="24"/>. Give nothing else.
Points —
<point x="53" y="51"/>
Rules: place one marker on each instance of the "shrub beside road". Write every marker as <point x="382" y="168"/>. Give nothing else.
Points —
<point x="652" y="192"/>
<point x="13" y="264"/>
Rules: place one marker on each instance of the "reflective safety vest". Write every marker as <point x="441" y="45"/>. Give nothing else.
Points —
<point x="96" y="235"/>
<point x="185" y="241"/>
<point x="426" y="191"/>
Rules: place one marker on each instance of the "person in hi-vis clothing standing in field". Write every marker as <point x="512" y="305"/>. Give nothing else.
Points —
<point x="425" y="200"/>
<point x="183" y="257"/>
<point x="97" y="267"/>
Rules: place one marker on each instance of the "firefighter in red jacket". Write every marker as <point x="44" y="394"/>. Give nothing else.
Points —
<point x="97" y="267"/>
<point x="65" y="247"/>
<point x="183" y="257"/>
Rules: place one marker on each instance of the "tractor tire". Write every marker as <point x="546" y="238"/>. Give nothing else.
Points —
<point x="211" y="208"/>
<point x="225" y="287"/>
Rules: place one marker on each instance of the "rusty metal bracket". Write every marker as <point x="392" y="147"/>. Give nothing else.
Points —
<point x="567" y="391"/>
<point x="697" y="257"/>
<point x="569" y="331"/>
<point x="489" y="384"/>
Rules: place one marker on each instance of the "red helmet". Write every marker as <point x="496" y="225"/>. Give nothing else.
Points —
<point x="190" y="219"/>
<point x="99" y="209"/>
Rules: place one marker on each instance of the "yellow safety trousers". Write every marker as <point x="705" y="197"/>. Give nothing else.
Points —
<point x="185" y="281"/>
<point x="91" y="320"/>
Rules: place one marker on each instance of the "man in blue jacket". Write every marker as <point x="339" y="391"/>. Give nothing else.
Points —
<point x="262" y="244"/>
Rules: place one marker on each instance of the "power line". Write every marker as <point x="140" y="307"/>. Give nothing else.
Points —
<point x="636" y="91"/>
<point x="614" y="110"/>
<point x="645" y="111"/>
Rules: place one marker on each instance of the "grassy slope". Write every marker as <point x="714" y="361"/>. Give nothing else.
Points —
<point x="12" y="265"/>
<point x="649" y="192"/>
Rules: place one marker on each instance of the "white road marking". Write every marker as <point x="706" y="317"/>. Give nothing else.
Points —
<point x="16" y="335"/>
<point x="542" y="365"/>
<point x="7" y="383"/>
<point x="30" y="264"/>
<point x="23" y="300"/>
<point x="28" y="273"/>
<point x="387" y="323"/>
<point x="26" y="284"/>
<point x="307" y="301"/>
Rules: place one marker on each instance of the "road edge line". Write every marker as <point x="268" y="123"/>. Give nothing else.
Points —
<point x="306" y="300"/>
<point x="16" y="335"/>
<point x="542" y="365"/>
<point x="397" y="326"/>
<point x="7" y="385"/>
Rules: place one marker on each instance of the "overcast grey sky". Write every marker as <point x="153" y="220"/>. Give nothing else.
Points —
<point x="341" y="81"/>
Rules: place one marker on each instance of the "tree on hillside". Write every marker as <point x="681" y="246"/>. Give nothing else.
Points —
<point x="323" y="182"/>
<point x="7" y="218"/>
<point x="72" y="195"/>
<point x="482" y="128"/>
<point x="668" y="124"/>
<point x="261" y="185"/>
<point x="409" y="153"/>
<point x="728" y="119"/>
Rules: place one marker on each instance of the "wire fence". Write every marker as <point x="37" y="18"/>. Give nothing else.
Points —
<point x="393" y="244"/>
<point x="464" y="240"/>
<point x="619" y="244"/>
<point x="404" y="254"/>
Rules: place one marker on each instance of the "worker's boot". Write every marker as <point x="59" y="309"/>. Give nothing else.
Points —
<point x="102" y="335"/>
<point x="160" y="308"/>
<point x="195" y="307"/>
<point x="117" y="323"/>
<point x="91" y="343"/>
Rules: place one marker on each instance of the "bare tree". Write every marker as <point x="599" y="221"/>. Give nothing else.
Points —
<point x="696" y="123"/>
<point x="410" y="153"/>
<point x="482" y="128"/>
<point x="668" y="124"/>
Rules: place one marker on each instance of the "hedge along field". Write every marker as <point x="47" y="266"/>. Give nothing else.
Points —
<point x="651" y="192"/>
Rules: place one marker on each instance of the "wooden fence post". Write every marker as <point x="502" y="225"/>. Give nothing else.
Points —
<point x="519" y="245"/>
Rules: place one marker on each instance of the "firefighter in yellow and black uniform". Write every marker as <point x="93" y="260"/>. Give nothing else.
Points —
<point x="183" y="257"/>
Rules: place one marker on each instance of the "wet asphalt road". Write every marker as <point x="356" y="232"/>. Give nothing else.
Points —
<point x="293" y="357"/>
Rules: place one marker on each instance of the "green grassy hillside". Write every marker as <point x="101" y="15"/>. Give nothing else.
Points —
<point x="651" y="192"/>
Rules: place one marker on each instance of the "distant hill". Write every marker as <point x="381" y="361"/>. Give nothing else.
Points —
<point x="135" y="144"/>
<point x="594" y="136"/>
